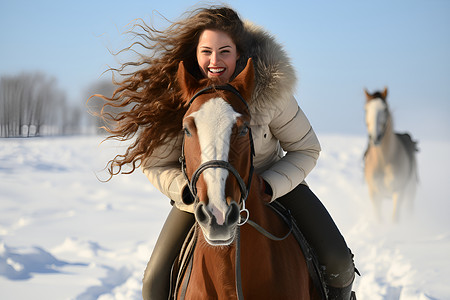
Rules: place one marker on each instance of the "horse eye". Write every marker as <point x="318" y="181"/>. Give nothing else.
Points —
<point x="243" y="130"/>
<point x="187" y="132"/>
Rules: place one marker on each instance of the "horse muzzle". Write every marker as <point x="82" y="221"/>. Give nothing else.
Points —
<point x="218" y="234"/>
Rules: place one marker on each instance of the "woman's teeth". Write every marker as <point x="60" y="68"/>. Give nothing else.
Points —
<point x="216" y="70"/>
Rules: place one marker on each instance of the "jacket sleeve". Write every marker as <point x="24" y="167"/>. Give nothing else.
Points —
<point x="163" y="170"/>
<point x="298" y="139"/>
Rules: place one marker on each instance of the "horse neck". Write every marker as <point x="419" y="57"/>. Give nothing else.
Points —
<point x="254" y="204"/>
<point x="261" y="213"/>
<point x="388" y="141"/>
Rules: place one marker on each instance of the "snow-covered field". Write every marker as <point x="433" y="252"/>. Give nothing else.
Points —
<point x="66" y="235"/>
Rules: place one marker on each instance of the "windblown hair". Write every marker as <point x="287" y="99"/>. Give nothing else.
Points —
<point x="151" y="91"/>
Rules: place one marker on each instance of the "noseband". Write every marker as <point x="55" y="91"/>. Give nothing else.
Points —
<point x="220" y="163"/>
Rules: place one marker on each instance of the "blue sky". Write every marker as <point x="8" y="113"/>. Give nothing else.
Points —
<point x="337" y="47"/>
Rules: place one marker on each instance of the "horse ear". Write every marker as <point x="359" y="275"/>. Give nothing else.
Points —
<point x="384" y="94"/>
<point x="368" y="96"/>
<point x="187" y="82"/>
<point x="245" y="81"/>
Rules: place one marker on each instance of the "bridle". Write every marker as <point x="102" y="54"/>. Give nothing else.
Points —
<point x="221" y="163"/>
<point x="384" y="127"/>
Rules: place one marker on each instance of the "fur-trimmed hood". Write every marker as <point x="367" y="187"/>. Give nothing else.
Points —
<point x="274" y="74"/>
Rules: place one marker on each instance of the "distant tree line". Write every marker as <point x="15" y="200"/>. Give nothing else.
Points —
<point x="31" y="104"/>
<point x="95" y="104"/>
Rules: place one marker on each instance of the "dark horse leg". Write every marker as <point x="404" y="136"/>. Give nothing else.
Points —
<point x="156" y="280"/>
<point x="324" y="237"/>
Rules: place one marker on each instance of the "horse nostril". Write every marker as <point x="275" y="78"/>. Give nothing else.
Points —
<point x="200" y="213"/>
<point x="233" y="214"/>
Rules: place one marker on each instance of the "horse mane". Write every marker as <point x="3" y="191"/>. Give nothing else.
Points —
<point x="378" y="95"/>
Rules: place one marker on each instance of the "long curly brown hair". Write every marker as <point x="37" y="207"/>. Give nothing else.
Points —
<point x="149" y="96"/>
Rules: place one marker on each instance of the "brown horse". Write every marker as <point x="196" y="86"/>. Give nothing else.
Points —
<point x="390" y="167"/>
<point x="231" y="259"/>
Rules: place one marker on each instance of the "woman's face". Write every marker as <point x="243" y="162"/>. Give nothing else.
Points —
<point x="216" y="55"/>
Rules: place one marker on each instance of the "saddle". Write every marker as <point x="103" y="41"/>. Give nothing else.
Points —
<point x="182" y="265"/>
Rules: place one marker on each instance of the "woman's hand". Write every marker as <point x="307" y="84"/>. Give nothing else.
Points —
<point x="265" y="190"/>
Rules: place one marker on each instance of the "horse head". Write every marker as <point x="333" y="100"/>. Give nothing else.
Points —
<point x="217" y="151"/>
<point x="377" y="115"/>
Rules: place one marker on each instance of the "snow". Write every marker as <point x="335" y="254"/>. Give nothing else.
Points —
<point x="65" y="234"/>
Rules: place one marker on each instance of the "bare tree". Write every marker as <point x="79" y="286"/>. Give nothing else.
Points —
<point x="31" y="105"/>
<point x="95" y="104"/>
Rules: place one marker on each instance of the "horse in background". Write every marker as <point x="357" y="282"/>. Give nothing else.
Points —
<point x="229" y="257"/>
<point x="390" y="166"/>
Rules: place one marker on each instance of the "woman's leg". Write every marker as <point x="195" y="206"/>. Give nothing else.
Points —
<point x="324" y="237"/>
<point x="156" y="282"/>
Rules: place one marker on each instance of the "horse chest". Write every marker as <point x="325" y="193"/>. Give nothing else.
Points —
<point x="383" y="173"/>
<point x="213" y="275"/>
<point x="380" y="170"/>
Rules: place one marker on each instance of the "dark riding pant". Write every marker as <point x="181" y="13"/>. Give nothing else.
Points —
<point x="311" y="216"/>
<point x="156" y="282"/>
<point x="322" y="235"/>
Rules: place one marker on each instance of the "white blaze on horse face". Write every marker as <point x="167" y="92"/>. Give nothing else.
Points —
<point x="214" y="121"/>
<point x="376" y="118"/>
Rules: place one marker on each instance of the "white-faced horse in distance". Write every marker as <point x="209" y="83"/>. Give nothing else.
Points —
<point x="390" y="166"/>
